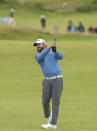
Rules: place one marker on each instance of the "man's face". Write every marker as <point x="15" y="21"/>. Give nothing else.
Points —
<point x="40" y="47"/>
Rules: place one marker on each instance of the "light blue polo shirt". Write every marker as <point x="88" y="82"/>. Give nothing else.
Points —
<point x="48" y="60"/>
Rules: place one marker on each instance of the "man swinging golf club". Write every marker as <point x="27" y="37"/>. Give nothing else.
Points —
<point x="53" y="80"/>
<point x="48" y="58"/>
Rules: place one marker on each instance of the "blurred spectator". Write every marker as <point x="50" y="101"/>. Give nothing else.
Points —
<point x="4" y="19"/>
<point x="81" y="27"/>
<point x="11" y="19"/>
<point x="71" y="27"/>
<point x="90" y="29"/>
<point x="43" y="21"/>
<point x="95" y="30"/>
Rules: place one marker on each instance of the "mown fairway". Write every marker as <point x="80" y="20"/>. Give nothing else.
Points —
<point x="20" y="85"/>
<point x="21" y="76"/>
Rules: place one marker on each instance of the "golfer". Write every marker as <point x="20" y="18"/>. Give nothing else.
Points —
<point x="53" y="81"/>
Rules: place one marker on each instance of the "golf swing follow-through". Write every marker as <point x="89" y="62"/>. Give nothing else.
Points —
<point x="60" y="17"/>
<point x="48" y="59"/>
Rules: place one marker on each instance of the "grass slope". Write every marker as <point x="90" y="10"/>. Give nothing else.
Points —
<point x="29" y="27"/>
<point x="28" y="13"/>
<point x="48" y="5"/>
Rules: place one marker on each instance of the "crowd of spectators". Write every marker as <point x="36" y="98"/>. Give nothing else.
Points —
<point x="70" y="27"/>
<point x="10" y="20"/>
<point x="80" y="28"/>
<point x="92" y="30"/>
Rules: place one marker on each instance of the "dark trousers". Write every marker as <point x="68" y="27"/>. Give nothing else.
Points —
<point x="52" y="89"/>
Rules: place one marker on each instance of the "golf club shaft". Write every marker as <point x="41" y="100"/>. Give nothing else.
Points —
<point x="54" y="48"/>
<point x="59" y="24"/>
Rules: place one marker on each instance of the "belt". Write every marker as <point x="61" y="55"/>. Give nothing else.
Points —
<point x="53" y="77"/>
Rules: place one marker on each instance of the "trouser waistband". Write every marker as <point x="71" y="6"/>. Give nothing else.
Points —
<point x="53" y="77"/>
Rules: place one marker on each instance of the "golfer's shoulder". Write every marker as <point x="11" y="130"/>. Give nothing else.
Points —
<point x="36" y="54"/>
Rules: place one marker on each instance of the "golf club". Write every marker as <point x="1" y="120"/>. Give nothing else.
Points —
<point x="54" y="48"/>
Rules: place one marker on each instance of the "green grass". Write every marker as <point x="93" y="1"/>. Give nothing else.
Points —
<point x="28" y="21"/>
<point x="28" y="28"/>
<point x="49" y="5"/>
<point x="20" y="85"/>
<point x="28" y="14"/>
<point x="21" y="76"/>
